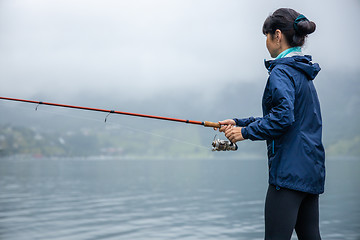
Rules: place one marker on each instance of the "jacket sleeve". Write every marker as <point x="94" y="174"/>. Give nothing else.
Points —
<point x="281" y="115"/>
<point x="243" y="122"/>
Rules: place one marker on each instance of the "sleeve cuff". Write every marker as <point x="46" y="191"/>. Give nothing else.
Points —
<point x="243" y="122"/>
<point x="239" y="122"/>
<point x="244" y="133"/>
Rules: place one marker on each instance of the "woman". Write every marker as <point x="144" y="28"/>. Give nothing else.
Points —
<point x="292" y="127"/>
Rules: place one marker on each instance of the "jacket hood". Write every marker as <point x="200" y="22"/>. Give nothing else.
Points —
<point x="300" y="63"/>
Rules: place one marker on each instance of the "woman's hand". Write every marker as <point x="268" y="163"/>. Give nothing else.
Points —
<point x="224" y="123"/>
<point x="233" y="133"/>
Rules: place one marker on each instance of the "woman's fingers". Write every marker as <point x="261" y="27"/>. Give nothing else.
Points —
<point x="234" y="134"/>
<point x="224" y="124"/>
<point x="228" y="133"/>
<point x="227" y="122"/>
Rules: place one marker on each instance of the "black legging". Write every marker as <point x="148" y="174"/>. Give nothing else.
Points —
<point x="287" y="209"/>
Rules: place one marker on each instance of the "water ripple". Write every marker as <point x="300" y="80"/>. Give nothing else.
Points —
<point x="76" y="207"/>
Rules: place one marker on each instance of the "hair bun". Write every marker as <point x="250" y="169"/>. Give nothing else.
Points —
<point x="305" y="27"/>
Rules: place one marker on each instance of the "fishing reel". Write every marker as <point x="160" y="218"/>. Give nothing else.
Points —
<point x="223" y="145"/>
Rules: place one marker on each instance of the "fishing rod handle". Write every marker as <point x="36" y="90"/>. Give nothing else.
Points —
<point x="212" y="124"/>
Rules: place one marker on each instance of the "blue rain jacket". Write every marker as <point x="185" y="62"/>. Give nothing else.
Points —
<point x="291" y="125"/>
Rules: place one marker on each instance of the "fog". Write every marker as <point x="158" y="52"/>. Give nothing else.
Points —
<point x="186" y="59"/>
<point x="136" y="49"/>
<point x="65" y="173"/>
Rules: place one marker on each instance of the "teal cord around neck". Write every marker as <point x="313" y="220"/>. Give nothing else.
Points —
<point x="287" y="51"/>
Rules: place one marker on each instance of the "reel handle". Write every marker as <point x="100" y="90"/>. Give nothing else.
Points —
<point x="212" y="124"/>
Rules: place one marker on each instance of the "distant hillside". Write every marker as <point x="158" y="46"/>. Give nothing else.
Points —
<point x="114" y="142"/>
<point x="30" y="142"/>
<point x="65" y="132"/>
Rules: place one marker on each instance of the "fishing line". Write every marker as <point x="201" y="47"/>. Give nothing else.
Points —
<point x="113" y="124"/>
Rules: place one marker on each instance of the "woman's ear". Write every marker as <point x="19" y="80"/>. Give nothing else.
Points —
<point x="278" y="36"/>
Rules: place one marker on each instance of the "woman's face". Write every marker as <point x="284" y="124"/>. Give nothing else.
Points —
<point x="272" y="45"/>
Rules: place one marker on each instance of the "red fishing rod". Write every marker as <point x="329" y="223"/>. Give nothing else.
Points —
<point x="205" y="123"/>
<point x="218" y="145"/>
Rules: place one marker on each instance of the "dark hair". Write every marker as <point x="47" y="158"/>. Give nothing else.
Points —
<point x="284" y="20"/>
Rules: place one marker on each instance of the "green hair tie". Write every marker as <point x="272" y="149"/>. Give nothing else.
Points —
<point x="299" y="19"/>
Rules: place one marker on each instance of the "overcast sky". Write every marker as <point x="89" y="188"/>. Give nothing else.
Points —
<point x="138" y="48"/>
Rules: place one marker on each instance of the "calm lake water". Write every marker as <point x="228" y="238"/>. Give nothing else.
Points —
<point x="158" y="199"/>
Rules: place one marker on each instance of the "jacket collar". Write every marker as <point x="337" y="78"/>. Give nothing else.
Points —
<point x="298" y="62"/>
